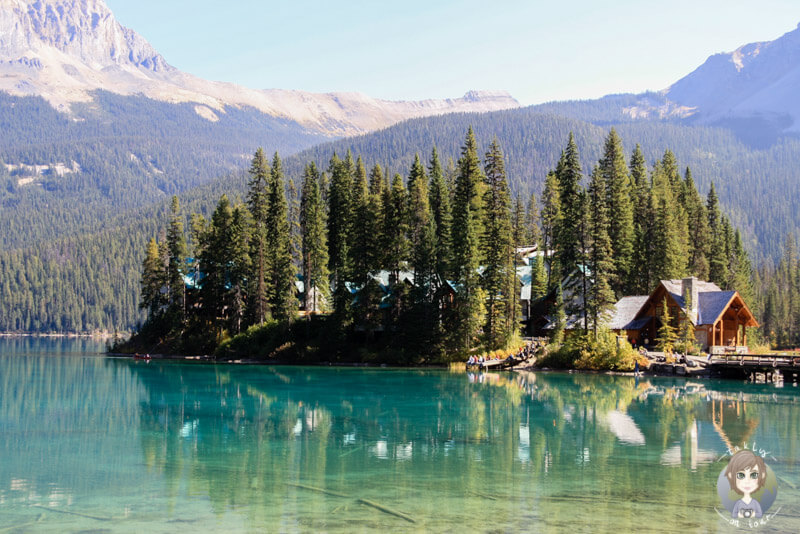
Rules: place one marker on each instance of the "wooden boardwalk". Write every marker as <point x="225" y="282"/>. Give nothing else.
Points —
<point x="497" y="364"/>
<point x="752" y="364"/>
<point x="775" y="361"/>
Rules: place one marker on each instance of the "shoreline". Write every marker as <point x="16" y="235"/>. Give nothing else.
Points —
<point x="70" y="335"/>
<point x="208" y="359"/>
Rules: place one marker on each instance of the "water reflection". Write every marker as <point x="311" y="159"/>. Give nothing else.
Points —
<point x="64" y="422"/>
<point x="299" y="449"/>
<point x="405" y="435"/>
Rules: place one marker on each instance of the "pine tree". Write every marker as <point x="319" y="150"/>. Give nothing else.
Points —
<point x="442" y="216"/>
<point x="498" y="279"/>
<point x="340" y="217"/>
<point x="533" y="235"/>
<point x="375" y="219"/>
<point x="601" y="264"/>
<point x="665" y="338"/>
<point x="669" y="254"/>
<point x="295" y="237"/>
<point x="153" y="281"/>
<point x="698" y="227"/>
<point x="314" y="240"/>
<point x="641" y="277"/>
<point x="740" y="274"/>
<point x="280" y="278"/>
<point x="396" y="227"/>
<point x="551" y="219"/>
<point x="538" y="278"/>
<point x="716" y="248"/>
<point x="360" y="238"/>
<point x="518" y="228"/>
<point x="669" y="165"/>
<point x="620" y="209"/>
<point x="258" y="202"/>
<point x="215" y="262"/>
<point x="567" y="234"/>
<point x="239" y="267"/>
<point x="467" y="214"/>
<point x="176" y="264"/>
<point x="419" y="219"/>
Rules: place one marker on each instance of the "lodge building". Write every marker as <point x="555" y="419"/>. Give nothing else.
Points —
<point x="720" y="318"/>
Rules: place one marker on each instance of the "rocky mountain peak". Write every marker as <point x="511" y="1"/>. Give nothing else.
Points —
<point x="82" y="29"/>
<point x="64" y="50"/>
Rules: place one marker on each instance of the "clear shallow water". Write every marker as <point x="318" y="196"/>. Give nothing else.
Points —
<point x="105" y="445"/>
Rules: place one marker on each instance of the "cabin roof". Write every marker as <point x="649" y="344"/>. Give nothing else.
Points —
<point x="625" y="312"/>
<point x="675" y="289"/>
<point x="712" y="305"/>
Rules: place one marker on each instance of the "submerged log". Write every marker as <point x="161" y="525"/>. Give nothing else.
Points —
<point x="318" y="490"/>
<point x="387" y="510"/>
<point x="96" y="518"/>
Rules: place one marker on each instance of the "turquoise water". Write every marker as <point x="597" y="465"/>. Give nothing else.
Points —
<point x="92" y="444"/>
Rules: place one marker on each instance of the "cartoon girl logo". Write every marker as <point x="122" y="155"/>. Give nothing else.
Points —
<point x="747" y="486"/>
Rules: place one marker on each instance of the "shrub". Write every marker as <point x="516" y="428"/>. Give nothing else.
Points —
<point x="584" y="351"/>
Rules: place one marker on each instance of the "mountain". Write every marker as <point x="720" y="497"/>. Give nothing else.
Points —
<point x="85" y="184"/>
<point x="63" y="50"/>
<point x="758" y="81"/>
<point x="750" y="91"/>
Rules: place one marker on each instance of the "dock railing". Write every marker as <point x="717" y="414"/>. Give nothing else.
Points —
<point x="755" y="360"/>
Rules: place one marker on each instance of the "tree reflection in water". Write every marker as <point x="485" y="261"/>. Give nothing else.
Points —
<point x="553" y="448"/>
<point x="298" y="449"/>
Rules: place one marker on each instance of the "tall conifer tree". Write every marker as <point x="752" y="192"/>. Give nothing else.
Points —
<point x="176" y="265"/>
<point x="601" y="295"/>
<point x="340" y="217"/>
<point x="360" y="238"/>
<point x="396" y="227"/>
<point x="281" y="272"/>
<point x="670" y="257"/>
<point x="533" y="234"/>
<point x="620" y="212"/>
<point x="717" y="260"/>
<point x="442" y="216"/>
<point x="698" y="227"/>
<point x="239" y="268"/>
<point x="641" y="277"/>
<point x="375" y="219"/>
<point x="567" y="243"/>
<point x="497" y="244"/>
<point x="314" y="241"/>
<point x="258" y="202"/>
<point x="467" y="214"/>
<point x="551" y="220"/>
<point x="153" y="280"/>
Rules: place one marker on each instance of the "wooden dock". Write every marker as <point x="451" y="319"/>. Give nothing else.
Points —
<point x="494" y="365"/>
<point x="750" y="365"/>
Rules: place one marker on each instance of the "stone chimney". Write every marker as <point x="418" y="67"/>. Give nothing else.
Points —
<point x="689" y="290"/>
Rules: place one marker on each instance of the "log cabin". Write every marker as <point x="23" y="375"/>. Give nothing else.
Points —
<point x="720" y="318"/>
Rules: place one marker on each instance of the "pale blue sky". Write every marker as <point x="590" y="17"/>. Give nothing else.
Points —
<point x="415" y="49"/>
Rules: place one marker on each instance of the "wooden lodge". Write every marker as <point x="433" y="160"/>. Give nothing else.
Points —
<point x="720" y="318"/>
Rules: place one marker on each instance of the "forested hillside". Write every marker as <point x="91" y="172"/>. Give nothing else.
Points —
<point x="62" y="229"/>
<point x="69" y="174"/>
<point x="752" y="184"/>
<point x="81" y="193"/>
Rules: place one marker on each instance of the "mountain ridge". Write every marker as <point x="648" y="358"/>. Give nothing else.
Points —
<point x="63" y="50"/>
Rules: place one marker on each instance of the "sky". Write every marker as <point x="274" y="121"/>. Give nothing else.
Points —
<point x="538" y="50"/>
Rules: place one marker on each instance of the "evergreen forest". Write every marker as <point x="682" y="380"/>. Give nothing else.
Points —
<point x="422" y="267"/>
<point x="72" y="241"/>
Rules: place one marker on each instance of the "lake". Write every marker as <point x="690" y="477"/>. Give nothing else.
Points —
<point x="96" y="444"/>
